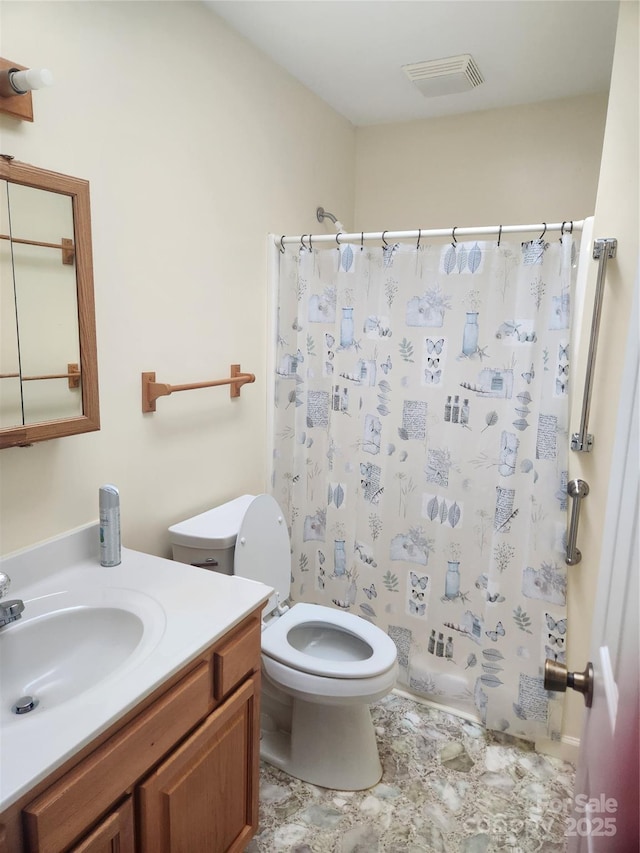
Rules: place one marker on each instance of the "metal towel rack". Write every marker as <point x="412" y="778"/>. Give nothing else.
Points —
<point x="603" y="250"/>
<point x="577" y="490"/>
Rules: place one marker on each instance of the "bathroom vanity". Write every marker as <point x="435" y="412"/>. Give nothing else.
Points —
<point x="176" y="767"/>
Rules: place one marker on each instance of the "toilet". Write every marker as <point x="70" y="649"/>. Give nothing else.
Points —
<point x="321" y="667"/>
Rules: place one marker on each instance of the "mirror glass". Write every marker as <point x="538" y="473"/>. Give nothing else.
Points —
<point x="48" y="369"/>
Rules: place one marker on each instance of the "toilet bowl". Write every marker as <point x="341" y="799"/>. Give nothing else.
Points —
<point x="322" y="667"/>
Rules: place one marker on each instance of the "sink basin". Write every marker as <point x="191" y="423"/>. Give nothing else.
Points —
<point x="60" y="648"/>
<point x="58" y="656"/>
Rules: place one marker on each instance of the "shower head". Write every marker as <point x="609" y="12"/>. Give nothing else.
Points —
<point x="323" y="214"/>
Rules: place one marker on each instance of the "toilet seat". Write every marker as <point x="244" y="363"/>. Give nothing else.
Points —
<point x="325" y="690"/>
<point x="382" y="652"/>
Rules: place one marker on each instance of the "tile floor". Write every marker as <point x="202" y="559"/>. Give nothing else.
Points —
<point x="448" y="786"/>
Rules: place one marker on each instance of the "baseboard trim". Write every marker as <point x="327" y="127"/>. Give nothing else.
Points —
<point x="566" y="749"/>
<point x="438" y="706"/>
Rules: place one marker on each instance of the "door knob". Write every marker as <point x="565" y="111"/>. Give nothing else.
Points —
<point x="557" y="678"/>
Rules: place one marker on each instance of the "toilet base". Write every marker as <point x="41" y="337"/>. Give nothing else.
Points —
<point x="333" y="746"/>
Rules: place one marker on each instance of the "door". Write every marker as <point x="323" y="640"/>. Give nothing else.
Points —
<point x="204" y="797"/>
<point x="605" y="816"/>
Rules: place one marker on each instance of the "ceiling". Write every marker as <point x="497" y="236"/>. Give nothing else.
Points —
<point x="351" y="52"/>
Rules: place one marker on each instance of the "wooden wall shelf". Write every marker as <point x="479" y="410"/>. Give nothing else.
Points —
<point x="151" y="389"/>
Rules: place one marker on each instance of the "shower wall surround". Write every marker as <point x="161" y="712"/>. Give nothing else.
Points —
<point x="421" y="443"/>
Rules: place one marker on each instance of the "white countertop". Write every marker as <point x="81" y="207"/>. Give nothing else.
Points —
<point x="186" y="609"/>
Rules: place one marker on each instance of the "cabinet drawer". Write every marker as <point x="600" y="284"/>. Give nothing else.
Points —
<point x="236" y="658"/>
<point x="115" y="834"/>
<point x="58" y="817"/>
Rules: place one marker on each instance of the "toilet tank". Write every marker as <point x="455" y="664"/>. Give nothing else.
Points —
<point x="211" y="536"/>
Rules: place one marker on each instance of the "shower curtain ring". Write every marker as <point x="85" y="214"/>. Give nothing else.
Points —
<point x="419" y="236"/>
<point x="386" y="245"/>
<point x="310" y="244"/>
<point x="571" y="229"/>
<point x="499" y="236"/>
<point x="544" y="232"/>
<point x="361" y="240"/>
<point x="338" y="235"/>
<point x="453" y="236"/>
<point x="282" y="244"/>
<point x="562" y="229"/>
<point x="302" y="245"/>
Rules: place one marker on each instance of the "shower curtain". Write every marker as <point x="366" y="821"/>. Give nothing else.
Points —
<point x="420" y="455"/>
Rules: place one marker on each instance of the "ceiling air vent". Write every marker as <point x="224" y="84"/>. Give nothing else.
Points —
<point x="447" y="76"/>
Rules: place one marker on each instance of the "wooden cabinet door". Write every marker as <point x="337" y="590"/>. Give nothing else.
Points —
<point x="204" y="797"/>
<point x="115" y="834"/>
<point x="62" y="813"/>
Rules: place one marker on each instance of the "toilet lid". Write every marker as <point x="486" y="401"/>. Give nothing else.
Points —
<point x="263" y="549"/>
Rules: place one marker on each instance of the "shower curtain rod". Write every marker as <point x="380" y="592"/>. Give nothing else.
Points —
<point x="486" y="230"/>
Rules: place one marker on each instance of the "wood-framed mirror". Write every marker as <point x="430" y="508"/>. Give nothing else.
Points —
<point x="48" y="355"/>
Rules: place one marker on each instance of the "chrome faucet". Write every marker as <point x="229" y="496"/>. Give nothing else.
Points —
<point x="9" y="610"/>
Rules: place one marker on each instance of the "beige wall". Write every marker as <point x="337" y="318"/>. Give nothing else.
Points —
<point x="196" y="146"/>
<point x="533" y="163"/>
<point x="616" y="215"/>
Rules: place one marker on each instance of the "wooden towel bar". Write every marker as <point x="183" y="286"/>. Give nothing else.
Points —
<point x="151" y="389"/>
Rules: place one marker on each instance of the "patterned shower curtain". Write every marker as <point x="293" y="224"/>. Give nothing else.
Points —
<point x="421" y="438"/>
